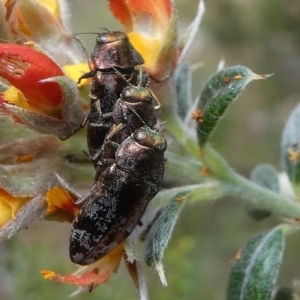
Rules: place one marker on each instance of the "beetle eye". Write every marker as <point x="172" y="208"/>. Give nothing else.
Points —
<point x="102" y="39"/>
<point x="126" y="94"/>
<point x="139" y="135"/>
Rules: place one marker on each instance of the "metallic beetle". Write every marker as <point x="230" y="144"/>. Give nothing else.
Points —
<point x="112" y="55"/>
<point x="119" y="197"/>
<point x="134" y="109"/>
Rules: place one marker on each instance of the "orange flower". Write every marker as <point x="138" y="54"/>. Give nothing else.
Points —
<point x="40" y="96"/>
<point x="25" y="70"/>
<point x="9" y="206"/>
<point x="152" y="29"/>
<point x="61" y="204"/>
<point x="92" y="275"/>
<point x="44" y="21"/>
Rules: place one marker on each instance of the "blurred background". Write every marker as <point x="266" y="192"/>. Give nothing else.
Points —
<point x="262" y="35"/>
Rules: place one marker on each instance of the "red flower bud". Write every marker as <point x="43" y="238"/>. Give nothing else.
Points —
<point x="25" y="69"/>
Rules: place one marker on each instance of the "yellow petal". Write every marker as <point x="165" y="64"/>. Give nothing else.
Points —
<point x="16" y="97"/>
<point x="9" y="206"/>
<point x="36" y="20"/>
<point x="77" y="70"/>
<point x="60" y="199"/>
<point x="52" y="6"/>
<point x="148" y="47"/>
<point x="5" y="212"/>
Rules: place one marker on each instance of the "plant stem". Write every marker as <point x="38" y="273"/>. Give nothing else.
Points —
<point x="233" y="184"/>
<point x="182" y="170"/>
<point x="263" y="198"/>
<point x="196" y="192"/>
<point x="176" y="128"/>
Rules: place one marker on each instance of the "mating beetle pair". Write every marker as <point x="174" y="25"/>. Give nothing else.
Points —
<point x="127" y="150"/>
<point x="119" y="197"/>
<point x="114" y="60"/>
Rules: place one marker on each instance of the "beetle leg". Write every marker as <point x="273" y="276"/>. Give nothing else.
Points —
<point x="90" y="74"/>
<point x="83" y="123"/>
<point x="107" y="115"/>
<point x="86" y="118"/>
<point x="115" y="130"/>
<point x="113" y="145"/>
<point x="156" y="107"/>
<point x="84" y="198"/>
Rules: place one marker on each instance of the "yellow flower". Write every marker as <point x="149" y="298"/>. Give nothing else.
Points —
<point x="9" y="206"/>
<point x="25" y="69"/>
<point x="40" y="96"/>
<point x="61" y="204"/>
<point x="44" y="21"/>
<point x="152" y="29"/>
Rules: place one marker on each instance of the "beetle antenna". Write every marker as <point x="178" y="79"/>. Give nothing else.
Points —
<point x="156" y="100"/>
<point x="132" y="110"/>
<point x="84" y="50"/>
<point x="121" y="75"/>
<point x="88" y="32"/>
<point x="105" y="29"/>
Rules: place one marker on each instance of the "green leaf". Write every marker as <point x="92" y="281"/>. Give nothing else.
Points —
<point x="290" y="149"/>
<point x="220" y="90"/>
<point x="183" y="80"/>
<point x="266" y="176"/>
<point x="160" y="233"/>
<point x="285" y="293"/>
<point x="254" y="274"/>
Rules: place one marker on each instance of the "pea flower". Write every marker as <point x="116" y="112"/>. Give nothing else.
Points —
<point x="23" y="191"/>
<point x="40" y="96"/>
<point x="45" y="22"/>
<point x="36" y="98"/>
<point x="152" y="29"/>
<point x="9" y="206"/>
<point x="93" y="275"/>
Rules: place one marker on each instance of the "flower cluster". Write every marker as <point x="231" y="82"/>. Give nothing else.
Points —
<point x="40" y="107"/>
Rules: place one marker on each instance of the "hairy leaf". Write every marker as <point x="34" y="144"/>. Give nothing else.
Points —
<point x="290" y="149"/>
<point x="160" y="233"/>
<point x="255" y="270"/>
<point x="220" y="90"/>
<point x="183" y="87"/>
<point x="266" y="176"/>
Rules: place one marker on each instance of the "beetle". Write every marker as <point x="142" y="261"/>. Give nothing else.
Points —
<point x="134" y="108"/>
<point x="112" y="55"/>
<point x="119" y="197"/>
